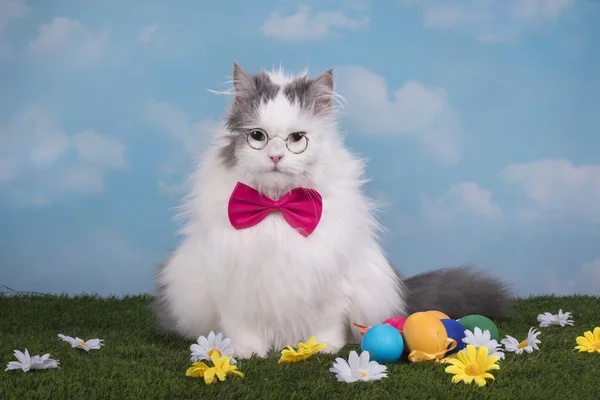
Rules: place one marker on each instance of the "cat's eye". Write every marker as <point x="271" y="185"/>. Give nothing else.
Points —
<point x="257" y="138"/>
<point x="258" y="135"/>
<point x="297" y="142"/>
<point x="296" y="136"/>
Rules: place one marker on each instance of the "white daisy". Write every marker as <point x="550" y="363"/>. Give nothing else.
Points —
<point x="358" y="368"/>
<point x="547" y="319"/>
<point x="44" y="362"/>
<point x="483" y="339"/>
<point x="27" y="362"/>
<point x="24" y="363"/>
<point x="207" y="345"/>
<point x="528" y="345"/>
<point x="92" y="344"/>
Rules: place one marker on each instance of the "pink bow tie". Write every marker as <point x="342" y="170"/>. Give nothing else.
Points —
<point x="301" y="208"/>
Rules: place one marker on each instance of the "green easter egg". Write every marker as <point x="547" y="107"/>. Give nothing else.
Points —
<point x="471" y="322"/>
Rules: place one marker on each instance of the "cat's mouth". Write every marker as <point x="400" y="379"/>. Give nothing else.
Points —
<point x="278" y="171"/>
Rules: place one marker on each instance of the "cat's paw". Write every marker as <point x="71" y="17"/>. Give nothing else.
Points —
<point x="334" y="338"/>
<point x="247" y="345"/>
<point x="243" y="353"/>
<point x="332" y="348"/>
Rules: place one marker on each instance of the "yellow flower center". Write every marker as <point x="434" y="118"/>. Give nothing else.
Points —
<point x="596" y="345"/>
<point x="523" y="344"/>
<point x="473" y="370"/>
<point x="81" y="343"/>
<point x="363" y="374"/>
<point x="211" y="351"/>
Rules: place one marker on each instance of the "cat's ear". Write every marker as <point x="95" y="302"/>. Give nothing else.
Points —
<point x="321" y="92"/>
<point x="243" y="85"/>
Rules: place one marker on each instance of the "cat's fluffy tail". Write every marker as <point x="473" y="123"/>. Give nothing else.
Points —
<point x="457" y="292"/>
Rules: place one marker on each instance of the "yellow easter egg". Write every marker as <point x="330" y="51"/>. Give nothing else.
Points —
<point x="426" y="337"/>
<point x="438" y="314"/>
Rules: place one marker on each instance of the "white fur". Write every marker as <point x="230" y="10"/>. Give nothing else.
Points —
<point x="268" y="286"/>
<point x="281" y="77"/>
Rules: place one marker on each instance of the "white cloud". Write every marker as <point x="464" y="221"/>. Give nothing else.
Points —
<point x="532" y="9"/>
<point x="68" y="35"/>
<point x="147" y="34"/>
<point x="306" y="25"/>
<point x="82" y="179"/>
<point x="557" y="188"/>
<point x="192" y="139"/>
<point x="446" y="15"/>
<point x="40" y="161"/>
<point x="11" y="10"/>
<point x="592" y="269"/>
<point x="490" y="21"/>
<point x="95" y="148"/>
<point x="463" y="200"/>
<point x="414" y="110"/>
<point x="194" y="136"/>
<point x="584" y="279"/>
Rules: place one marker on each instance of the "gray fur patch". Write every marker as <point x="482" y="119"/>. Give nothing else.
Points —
<point x="253" y="90"/>
<point x="244" y="107"/>
<point x="228" y="152"/>
<point x="297" y="91"/>
<point x="314" y="95"/>
<point x="458" y="292"/>
<point x="160" y="308"/>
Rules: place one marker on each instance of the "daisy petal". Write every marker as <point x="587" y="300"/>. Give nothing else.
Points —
<point x="481" y="355"/>
<point x="363" y="359"/>
<point x="353" y="360"/>
<point x="480" y="381"/>
<point x="203" y="342"/>
<point x="588" y="335"/>
<point x="453" y="369"/>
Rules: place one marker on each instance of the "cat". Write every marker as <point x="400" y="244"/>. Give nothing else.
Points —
<point x="269" y="284"/>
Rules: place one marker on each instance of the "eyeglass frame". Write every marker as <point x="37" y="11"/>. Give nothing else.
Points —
<point x="269" y="138"/>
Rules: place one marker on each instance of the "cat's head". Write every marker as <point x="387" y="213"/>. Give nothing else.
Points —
<point x="279" y="127"/>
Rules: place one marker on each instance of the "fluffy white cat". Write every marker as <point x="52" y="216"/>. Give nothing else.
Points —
<point x="267" y="285"/>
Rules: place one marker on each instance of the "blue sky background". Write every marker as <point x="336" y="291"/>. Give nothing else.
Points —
<point x="481" y="121"/>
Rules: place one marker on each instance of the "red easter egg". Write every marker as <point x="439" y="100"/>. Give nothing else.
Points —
<point x="396" y="322"/>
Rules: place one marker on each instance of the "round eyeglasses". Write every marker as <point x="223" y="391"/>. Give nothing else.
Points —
<point x="295" y="142"/>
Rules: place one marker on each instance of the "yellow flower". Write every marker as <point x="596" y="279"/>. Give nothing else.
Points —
<point x="305" y="350"/>
<point x="220" y="369"/>
<point x="197" y="369"/>
<point x="289" y="354"/>
<point x="311" y="346"/>
<point x="472" y="365"/>
<point x="589" y="343"/>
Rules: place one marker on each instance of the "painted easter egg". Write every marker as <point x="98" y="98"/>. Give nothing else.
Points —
<point x="383" y="342"/>
<point x="438" y="314"/>
<point x="396" y="322"/>
<point x="455" y="331"/>
<point x="473" y="321"/>
<point x="426" y="337"/>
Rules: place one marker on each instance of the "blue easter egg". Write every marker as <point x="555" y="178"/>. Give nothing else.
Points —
<point x="455" y="331"/>
<point x="383" y="342"/>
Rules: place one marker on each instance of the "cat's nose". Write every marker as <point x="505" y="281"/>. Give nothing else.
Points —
<point x="276" y="159"/>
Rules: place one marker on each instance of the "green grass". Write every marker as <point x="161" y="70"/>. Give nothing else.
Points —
<point x="137" y="362"/>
